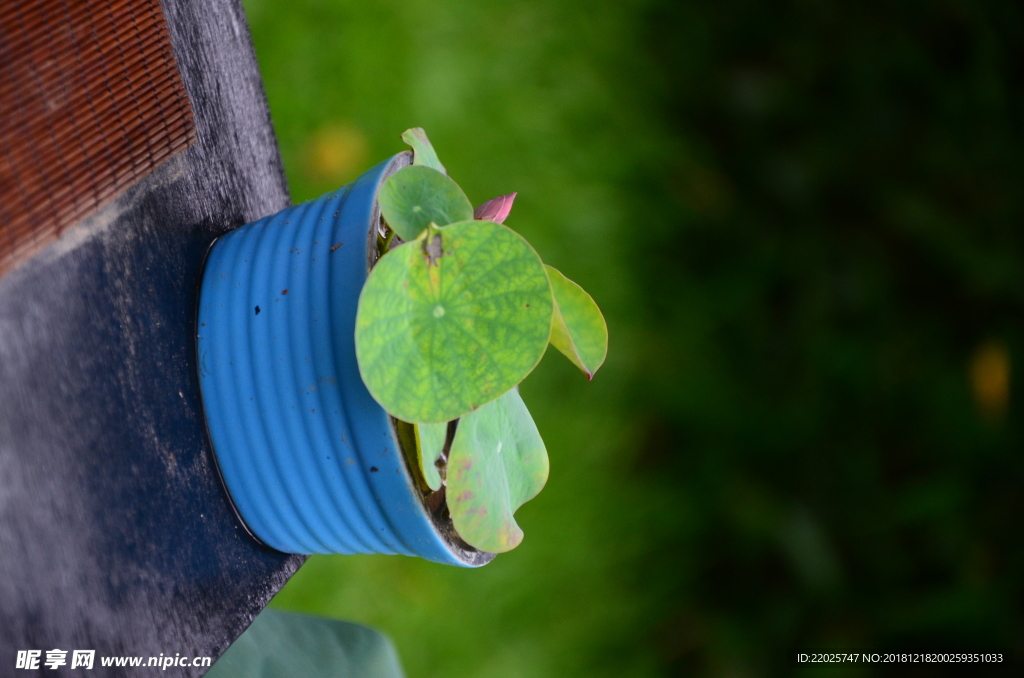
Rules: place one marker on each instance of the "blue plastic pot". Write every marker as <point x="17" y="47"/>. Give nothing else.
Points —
<point x="312" y="463"/>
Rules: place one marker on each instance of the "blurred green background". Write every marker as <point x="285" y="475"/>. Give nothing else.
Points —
<point x="803" y="222"/>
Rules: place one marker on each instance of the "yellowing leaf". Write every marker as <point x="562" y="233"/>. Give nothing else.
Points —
<point x="497" y="463"/>
<point x="578" y="329"/>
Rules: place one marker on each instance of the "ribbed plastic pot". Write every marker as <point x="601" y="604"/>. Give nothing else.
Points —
<point x="311" y="462"/>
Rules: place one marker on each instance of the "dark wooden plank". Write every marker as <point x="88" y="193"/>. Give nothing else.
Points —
<point x="115" y="533"/>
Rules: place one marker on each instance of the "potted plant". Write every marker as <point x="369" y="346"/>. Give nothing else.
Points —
<point x="359" y="361"/>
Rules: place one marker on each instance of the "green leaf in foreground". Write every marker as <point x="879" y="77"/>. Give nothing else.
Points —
<point x="497" y="463"/>
<point x="285" y="644"/>
<point x="452" y="320"/>
<point x="423" y="152"/>
<point x="413" y="197"/>
<point x="578" y="329"/>
<point x="429" y="445"/>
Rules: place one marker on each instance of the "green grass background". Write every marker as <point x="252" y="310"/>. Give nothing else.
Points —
<point x="803" y="222"/>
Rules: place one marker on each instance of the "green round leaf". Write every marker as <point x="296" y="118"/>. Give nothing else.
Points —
<point x="429" y="445"/>
<point x="452" y="320"/>
<point x="413" y="197"/>
<point x="497" y="463"/>
<point x="578" y="329"/>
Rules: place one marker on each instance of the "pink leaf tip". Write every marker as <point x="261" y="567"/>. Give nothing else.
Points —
<point x="495" y="209"/>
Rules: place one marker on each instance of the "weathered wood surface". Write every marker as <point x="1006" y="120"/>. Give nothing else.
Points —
<point x="115" y="532"/>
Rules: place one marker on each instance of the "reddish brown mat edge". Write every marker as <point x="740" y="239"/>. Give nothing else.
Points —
<point x="91" y="102"/>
